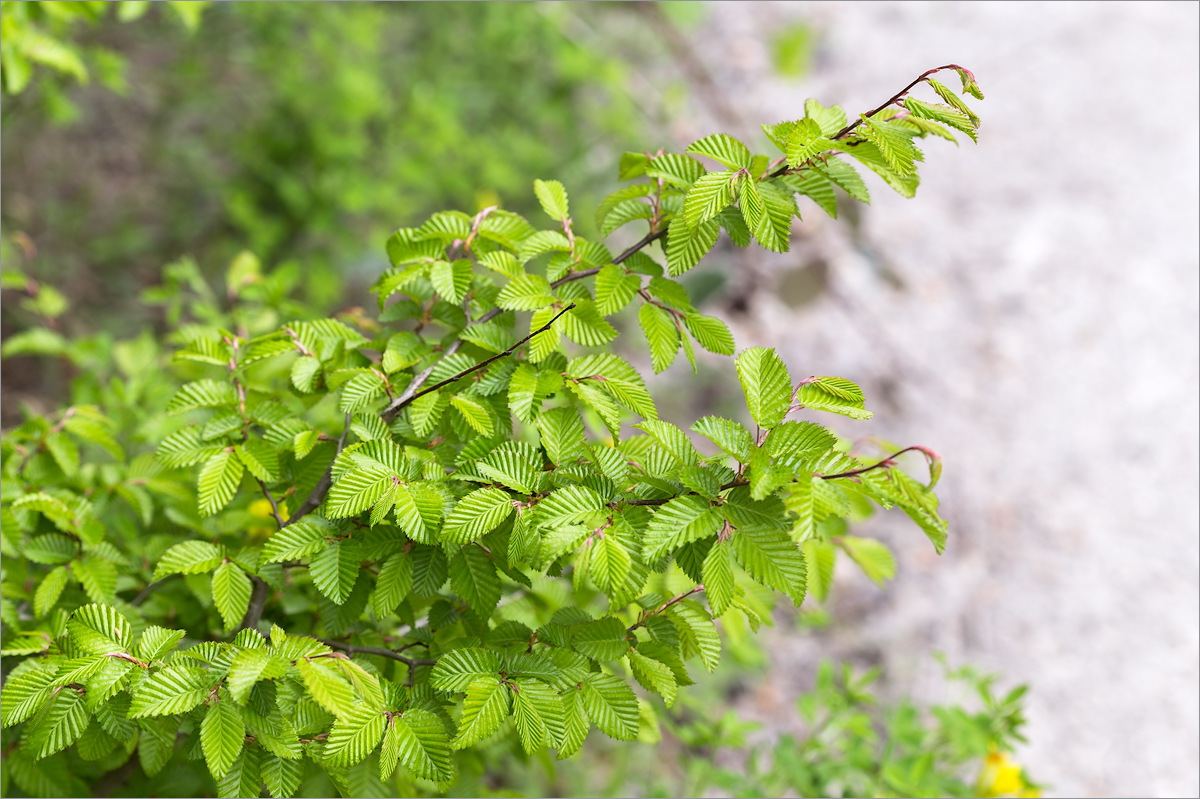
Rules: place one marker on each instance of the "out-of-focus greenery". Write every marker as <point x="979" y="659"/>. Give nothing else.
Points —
<point x="303" y="131"/>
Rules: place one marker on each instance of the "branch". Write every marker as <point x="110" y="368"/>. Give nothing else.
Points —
<point x="401" y="402"/>
<point x="886" y="462"/>
<point x="258" y="601"/>
<point x="674" y="600"/>
<point x="274" y="504"/>
<point x="846" y="131"/>
<point x="371" y="650"/>
<point x="317" y="495"/>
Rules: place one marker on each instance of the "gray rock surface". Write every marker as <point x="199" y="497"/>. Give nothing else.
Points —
<point x="1044" y="340"/>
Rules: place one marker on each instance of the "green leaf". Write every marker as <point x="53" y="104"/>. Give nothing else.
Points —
<point x="526" y="292"/>
<point x="184" y="448"/>
<point x="222" y="735"/>
<point x="202" y="394"/>
<point x="354" y="735"/>
<point x="615" y="288"/>
<point x="710" y="332"/>
<point x="451" y="279"/>
<point x="766" y="384"/>
<point x="611" y="705"/>
<point x="719" y="584"/>
<point x="473" y="577"/>
<point x="419" y="510"/>
<point x="298" y="540"/>
<point x="51" y="549"/>
<point x="157" y="641"/>
<point x="805" y="141"/>
<point x="873" y="557"/>
<point x="457" y="669"/>
<point x="538" y="713"/>
<point x="771" y="558"/>
<point x="49" y="590"/>
<point x="485" y="707"/>
<point x="25" y="691"/>
<point x="844" y="177"/>
<point x="730" y="436"/>
<point x="260" y="459"/>
<point x="477" y="514"/>
<point x="584" y="325"/>
<point x="281" y="775"/>
<point x="575" y="723"/>
<point x="568" y="505"/>
<point x="58" y="725"/>
<point x="603" y="639"/>
<point x="672" y="439"/>
<point x="335" y="569"/>
<point x="654" y="675"/>
<point x="707" y="197"/>
<point x="100" y="630"/>
<point x="677" y="170"/>
<point x="243" y="778"/>
<point x="553" y="199"/>
<point x="218" y="481"/>
<point x="768" y="213"/>
<point x="231" y="593"/>
<point x="723" y="148"/>
<point x="305" y="371"/>
<point x="697" y="631"/>
<point x="835" y="395"/>
<point x="189" y="557"/>
<point x="174" y="690"/>
<point x="684" y="519"/>
<point x="610" y="564"/>
<point x="361" y="389"/>
<point x="474" y="413"/>
<point x="328" y="689"/>
<point x="422" y="745"/>
<point x="895" y="147"/>
<point x="359" y="489"/>
<point x="686" y="245"/>
<point x="662" y="335"/>
<point x="393" y="584"/>
<point x="820" y="559"/>
<point x="953" y="100"/>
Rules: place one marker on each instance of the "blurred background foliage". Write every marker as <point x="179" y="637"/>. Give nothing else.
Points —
<point x="148" y="149"/>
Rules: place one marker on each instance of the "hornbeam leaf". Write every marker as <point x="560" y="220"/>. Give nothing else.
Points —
<point x="100" y="630"/>
<point x="231" y="590"/>
<point x="873" y="557"/>
<point x="662" y="335"/>
<point x="422" y="745"/>
<point x="174" y="690"/>
<point x="218" y="481"/>
<point x="723" y="148"/>
<point x="684" y="519"/>
<point x="611" y="705"/>
<point x="354" y="735"/>
<point x="766" y="384"/>
<point x="476" y="514"/>
<point x="222" y="735"/>
<point x="687" y="245"/>
<point x="485" y="707"/>
<point x="473" y="577"/>
<point x="719" y="582"/>
<point x="553" y="198"/>
<point x="708" y="196"/>
<point x="335" y="569"/>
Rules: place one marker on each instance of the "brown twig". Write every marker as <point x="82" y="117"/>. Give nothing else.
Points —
<point x="354" y="649"/>
<point x="672" y="601"/>
<point x="403" y="401"/>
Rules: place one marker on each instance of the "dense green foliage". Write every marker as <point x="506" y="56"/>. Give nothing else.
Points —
<point x="343" y="546"/>
<point x="300" y="131"/>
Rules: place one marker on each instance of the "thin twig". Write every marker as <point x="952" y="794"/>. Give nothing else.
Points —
<point x="354" y="649"/>
<point x="274" y="504"/>
<point x="401" y="402"/>
<point x="672" y="601"/>
<point x="258" y="602"/>
<point x="888" y="461"/>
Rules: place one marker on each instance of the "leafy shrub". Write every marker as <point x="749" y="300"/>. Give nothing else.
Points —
<point x="365" y="543"/>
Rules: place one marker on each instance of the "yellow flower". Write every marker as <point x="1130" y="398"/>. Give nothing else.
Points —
<point x="1002" y="776"/>
<point x="261" y="509"/>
